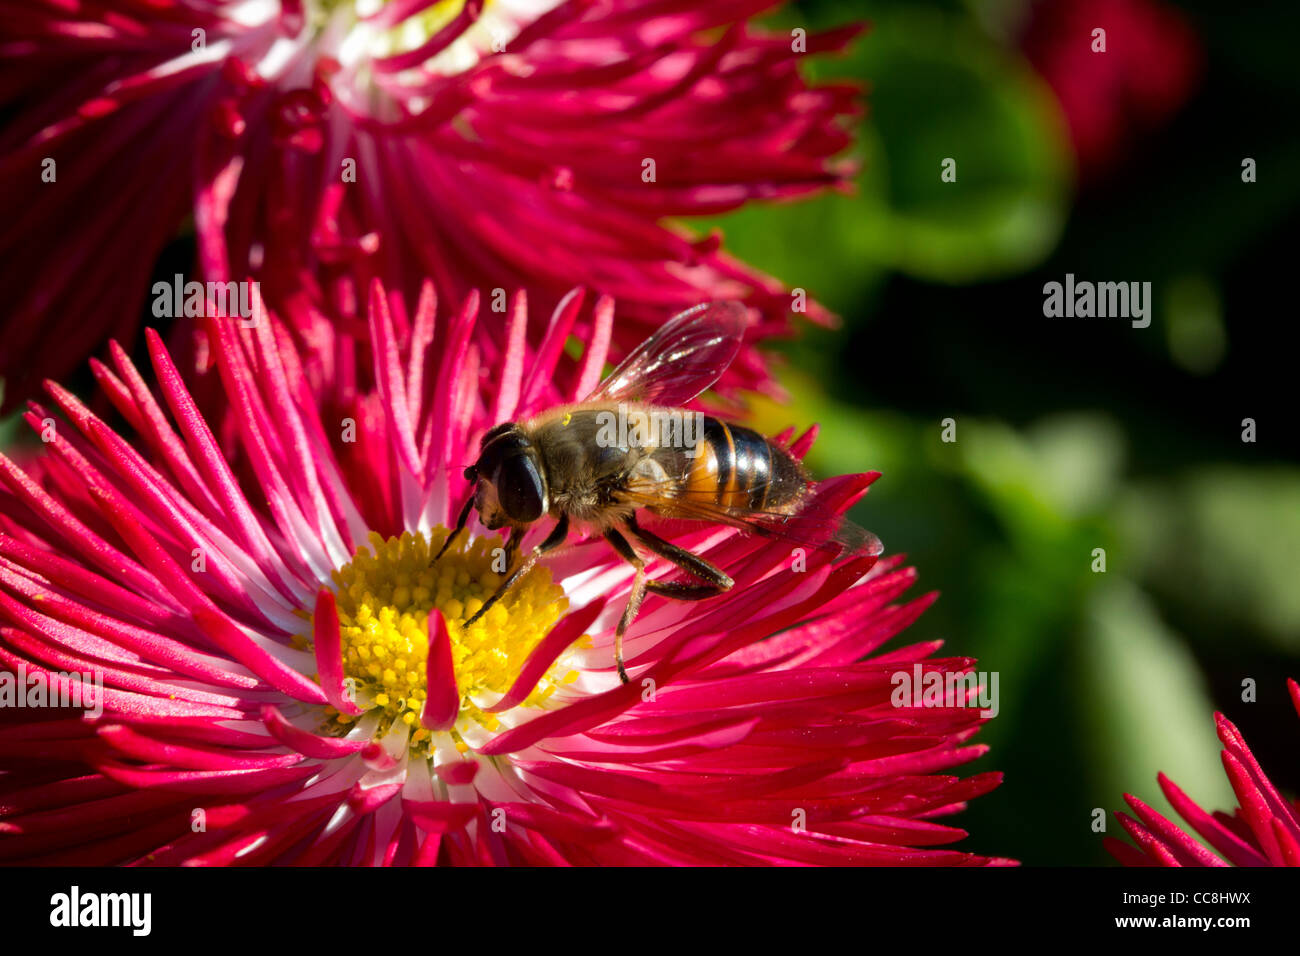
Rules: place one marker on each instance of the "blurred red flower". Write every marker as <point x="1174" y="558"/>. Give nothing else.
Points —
<point x="1150" y="66"/>
<point x="523" y="144"/>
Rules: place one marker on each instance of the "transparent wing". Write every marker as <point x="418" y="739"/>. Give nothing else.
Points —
<point x="687" y="355"/>
<point x="810" y="526"/>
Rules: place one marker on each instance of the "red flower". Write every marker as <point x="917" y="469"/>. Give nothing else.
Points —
<point x="520" y="144"/>
<point x="1151" y="62"/>
<point x="288" y="662"/>
<point x="1264" y="831"/>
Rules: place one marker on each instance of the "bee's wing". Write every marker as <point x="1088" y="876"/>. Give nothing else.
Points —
<point x="687" y="355"/>
<point x="809" y="526"/>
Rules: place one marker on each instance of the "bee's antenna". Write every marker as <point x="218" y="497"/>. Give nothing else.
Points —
<point x="460" y="526"/>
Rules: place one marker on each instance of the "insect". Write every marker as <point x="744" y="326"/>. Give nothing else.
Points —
<point x="630" y="446"/>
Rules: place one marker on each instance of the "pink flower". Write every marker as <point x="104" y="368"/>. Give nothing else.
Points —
<point x="518" y="144"/>
<point x="273" y="658"/>
<point x="1264" y="830"/>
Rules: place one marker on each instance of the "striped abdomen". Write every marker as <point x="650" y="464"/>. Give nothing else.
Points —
<point x="740" y="468"/>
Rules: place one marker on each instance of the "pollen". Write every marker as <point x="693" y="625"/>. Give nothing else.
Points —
<point x="384" y="597"/>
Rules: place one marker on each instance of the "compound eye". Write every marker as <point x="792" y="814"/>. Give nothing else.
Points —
<point x="471" y="473"/>
<point x="520" y="489"/>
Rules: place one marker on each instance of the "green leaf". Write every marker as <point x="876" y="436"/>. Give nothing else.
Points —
<point x="942" y="90"/>
<point x="1224" y="543"/>
<point x="1145" y="707"/>
<point x="939" y="88"/>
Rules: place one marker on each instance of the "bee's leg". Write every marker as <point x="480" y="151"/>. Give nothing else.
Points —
<point x="461" y="521"/>
<point x="679" y="591"/>
<point x="634" y="600"/>
<point x="512" y="546"/>
<point x="553" y="541"/>
<point x="715" y="580"/>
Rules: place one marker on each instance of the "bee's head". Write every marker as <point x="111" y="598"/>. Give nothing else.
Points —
<point x="510" y="485"/>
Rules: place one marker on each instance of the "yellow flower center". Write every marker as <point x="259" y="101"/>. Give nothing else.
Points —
<point x="484" y="35"/>
<point x="384" y="597"/>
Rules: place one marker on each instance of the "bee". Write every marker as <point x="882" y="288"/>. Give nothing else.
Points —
<point x="631" y="446"/>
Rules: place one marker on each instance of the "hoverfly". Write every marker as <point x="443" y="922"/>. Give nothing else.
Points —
<point x="568" y="463"/>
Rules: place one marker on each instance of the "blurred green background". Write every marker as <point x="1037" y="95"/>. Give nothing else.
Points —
<point x="1072" y="434"/>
